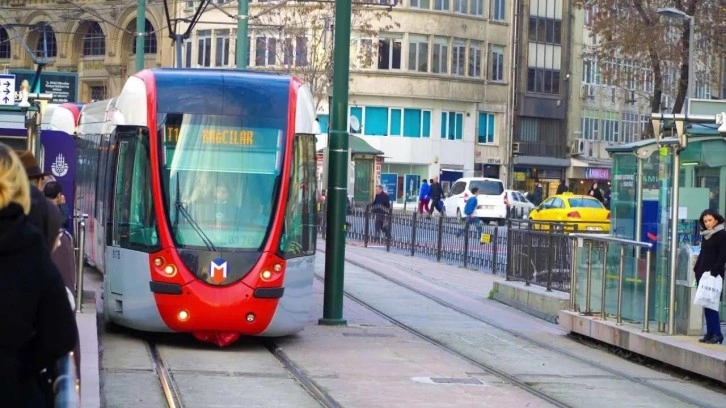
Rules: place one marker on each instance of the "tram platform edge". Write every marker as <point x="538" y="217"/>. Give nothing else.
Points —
<point x="87" y="322"/>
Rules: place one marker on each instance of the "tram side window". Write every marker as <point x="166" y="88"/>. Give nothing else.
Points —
<point x="299" y="230"/>
<point x="135" y="219"/>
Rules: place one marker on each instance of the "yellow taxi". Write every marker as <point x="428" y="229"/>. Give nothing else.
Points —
<point x="574" y="212"/>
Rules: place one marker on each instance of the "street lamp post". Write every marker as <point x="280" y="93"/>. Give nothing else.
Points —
<point x="676" y="14"/>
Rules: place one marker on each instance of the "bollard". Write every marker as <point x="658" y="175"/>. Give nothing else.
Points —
<point x="603" y="312"/>
<point x="646" y="314"/>
<point x="588" y="281"/>
<point x="619" y="317"/>
<point x="79" y="263"/>
<point x="413" y="233"/>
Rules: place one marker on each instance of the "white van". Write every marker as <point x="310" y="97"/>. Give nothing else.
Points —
<point x="492" y="199"/>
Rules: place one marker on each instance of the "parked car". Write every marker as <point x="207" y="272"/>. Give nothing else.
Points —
<point x="518" y="204"/>
<point x="585" y="212"/>
<point x="492" y="201"/>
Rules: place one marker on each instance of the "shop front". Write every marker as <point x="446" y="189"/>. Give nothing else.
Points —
<point x="525" y="179"/>
<point x="582" y="178"/>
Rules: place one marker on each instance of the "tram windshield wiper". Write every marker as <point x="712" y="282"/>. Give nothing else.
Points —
<point x="180" y="209"/>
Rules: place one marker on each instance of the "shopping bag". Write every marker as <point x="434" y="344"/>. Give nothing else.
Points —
<point x="708" y="293"/>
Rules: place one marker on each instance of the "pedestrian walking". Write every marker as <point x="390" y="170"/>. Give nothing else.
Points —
<point x="562" y="187"/>
<point x="38" y="325"/>
<point x="595" y="192"/>
<point x="469" y="210"/>
<point x="44" y="214"/>
<point x="437" y="193"/>
<point x="54" y="192"/>
<point x="381" y="207"/>
<point x="424" y="197"/>
<point x="537" y="194"/>
<point x="711" y="260"/>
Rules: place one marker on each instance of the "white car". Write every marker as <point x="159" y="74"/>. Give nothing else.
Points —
<point x="492" y="201"/>
<point x="519" y="206"/>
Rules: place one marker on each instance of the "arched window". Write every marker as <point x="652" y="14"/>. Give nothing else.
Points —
<point x="4" y="44"/>
<point x="94" y="42"/>
<point x="149" y="38"/>
<point x="46" y="41"/>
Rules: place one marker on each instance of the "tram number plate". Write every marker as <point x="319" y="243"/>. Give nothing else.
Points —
<point x="115" y="254"/>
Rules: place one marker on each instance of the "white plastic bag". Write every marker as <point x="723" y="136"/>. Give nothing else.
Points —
<point x="709" y="291"/>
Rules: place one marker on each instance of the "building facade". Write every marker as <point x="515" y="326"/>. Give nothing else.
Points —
<point x="95" y="40"/>
<point x="429" y="81"/>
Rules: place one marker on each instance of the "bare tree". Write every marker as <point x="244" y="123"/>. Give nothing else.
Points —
<point x="636" y="47"/>
<point x="298" y="37"/>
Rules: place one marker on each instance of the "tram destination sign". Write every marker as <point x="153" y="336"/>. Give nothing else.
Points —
<point x="63" y="85"/>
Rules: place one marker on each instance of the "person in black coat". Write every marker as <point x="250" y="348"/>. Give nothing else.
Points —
<point x="437" y="194"/>
<point x="44" y="214"/>
<point x="711" y="259"/>
<point x="562" y="187"/>
<point x="595" y="192"/>
<point x="381" y="206"/>
<point x="37" y="325"/>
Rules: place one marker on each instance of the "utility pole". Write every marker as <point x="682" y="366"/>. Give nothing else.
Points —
<point x="337" y="171"/>
<point x="140" y="33"/>
<point x="242" y="19"/>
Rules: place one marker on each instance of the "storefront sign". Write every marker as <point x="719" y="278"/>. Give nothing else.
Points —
<point x="63" y="85"/>
<point x="596" y="173"/>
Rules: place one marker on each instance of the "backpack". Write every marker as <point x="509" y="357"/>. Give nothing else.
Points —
<point x="470" y="205"/>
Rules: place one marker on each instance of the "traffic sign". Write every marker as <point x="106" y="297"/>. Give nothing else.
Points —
<point x="7" y="89"/>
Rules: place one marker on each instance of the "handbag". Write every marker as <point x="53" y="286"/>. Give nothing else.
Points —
<point x="708" y="293"/>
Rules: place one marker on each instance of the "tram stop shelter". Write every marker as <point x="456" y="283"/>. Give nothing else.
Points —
<point x="687" y="161"/>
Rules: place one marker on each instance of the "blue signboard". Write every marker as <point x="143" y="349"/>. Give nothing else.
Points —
<point x="389" y="181"/>
<point x="63" y="85"/>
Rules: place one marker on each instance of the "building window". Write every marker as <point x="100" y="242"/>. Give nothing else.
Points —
<point x="588" y="71"/>
<point x="188" y="50"/>
<point x="452" y="124"/>
<point x="149" y="38"/>
<point x="204" y="48"/>
<point x="301" y="51"/>
<point x="631" y="127"/>
<point x="458" y="58"/>
<point x="611" y="127"/>
<point x="394" y="129"/>
<point x="460" y="6"/>
<point x="389" y="52"/>
<point x="46" y="45"/>
<point x="442" y="5"/>
<point x="590" y="126"/>
<point x="498" y="8"/>
<point x="94" y="42"/>
<point x="441" y="56"/>
<point x="416" y="123"/>
<point x="221" y="48"/>
<point x="98" y="93"/>
<point x="265" y="51"/>
<point x="355" y="120"/>
<point x="376" y="121"/>
<point x="477" y="8"/>
<point x="485" y="128"/>
<point x="541" y="80"/>
<point x="418" y="53"/>
<point x="422" y="4"/>
<point x="497" y="63"/>
<point x="361" y="53"/>
<point x="475" y="59"/>
<point x="4" y="44"/>
<point x="545" y="30"/>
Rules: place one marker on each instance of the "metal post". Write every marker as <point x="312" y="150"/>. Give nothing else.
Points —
<point x="79" y="263"/>
<point x="550" y="254"/>
<point x="603" y="312"/>
<point x="673" y="241"/>
<point x="619" y="317"/>
<point x="178" y="42"/>
<point x="240" y="56"/>
<point x="495" y="247"/>
<point x="510" y="246"/>
<point x="638" y="206"/>
<point x="646" y="314"/>
<point x="413" y="233"/>
<point x="530" y="258"/>
<point x="387" y="227"/>
<point x="691" y="88"/>
<point x="440" y="239"/>
<point x="467" y="225"/>
<point x="337" y="165"/>
<point x="588" y="279"/>
<point x="366" y="226"/>
<point x="573" y="277"/>
<point x="140" y="33"/>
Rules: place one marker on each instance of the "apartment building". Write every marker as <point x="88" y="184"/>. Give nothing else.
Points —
<point x="429" y="81"/>
<point x="92" y="43"/>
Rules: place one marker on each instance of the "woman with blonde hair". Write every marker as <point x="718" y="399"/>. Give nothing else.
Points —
<point x="38" y="326"/>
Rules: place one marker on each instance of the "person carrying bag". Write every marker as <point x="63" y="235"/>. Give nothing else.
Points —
<point x="709" y="271"/>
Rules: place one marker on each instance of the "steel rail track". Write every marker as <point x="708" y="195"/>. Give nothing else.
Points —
<point x="166" y="380"/>
<point x="538" y="343"/>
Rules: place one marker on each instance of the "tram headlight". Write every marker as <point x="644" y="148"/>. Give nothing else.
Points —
<point x="250" y="317"/>
<point x="170" y="270"/>
<point x="158" y="261"/>
<point x="277" y="267"/>
<point x="183" y="316"/>
<point x="266" y="275"/>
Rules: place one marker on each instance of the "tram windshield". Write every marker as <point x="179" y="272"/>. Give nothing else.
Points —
<point x="220" y="179"/>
